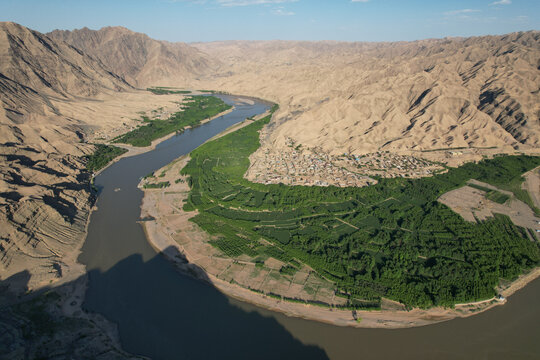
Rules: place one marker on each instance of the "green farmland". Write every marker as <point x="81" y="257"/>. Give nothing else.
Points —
<point x="102" y="156"/>
<point x="196" y="109"/>
<point x="160" y="90"/>
<point x="392" y="240"/>
<point x="492" y="195"/>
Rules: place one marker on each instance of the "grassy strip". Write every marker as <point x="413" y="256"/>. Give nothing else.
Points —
<point x="159" y="90"/>
<point x="404" y="245"/>
<point x="102" y="156"/>
<point x="497" y="197"/>
<point x="159" y="185"/>
<point x="198" y="108"/>
<point x="491" y="194"/>
<point x="514" y="185"/>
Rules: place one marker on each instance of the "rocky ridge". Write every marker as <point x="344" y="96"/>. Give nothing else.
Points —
<point x="140" y="59"/>
<point x="406" y="97"/>
<point x="44" y="193"/>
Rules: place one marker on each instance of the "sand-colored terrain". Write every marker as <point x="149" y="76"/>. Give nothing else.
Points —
<point x="404" y="97"/>
<point x="142" y="61"/>
<point x="472" y="205"/>
<point x="48" y="199"/>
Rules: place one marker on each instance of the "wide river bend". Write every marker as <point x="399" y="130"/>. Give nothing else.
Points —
<point x="164" y="314"/>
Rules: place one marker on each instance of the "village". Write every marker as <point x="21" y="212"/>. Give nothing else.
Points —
<point x="389" y="165"/>
<point x="314" y="167"/>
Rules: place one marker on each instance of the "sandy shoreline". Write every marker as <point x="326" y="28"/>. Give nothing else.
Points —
<point x="74" y="273"/>
<point x="161" y="240"/>
<point x="162" y="231"/>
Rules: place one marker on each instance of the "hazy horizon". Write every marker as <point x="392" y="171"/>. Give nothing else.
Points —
<point x="317" y="20"/>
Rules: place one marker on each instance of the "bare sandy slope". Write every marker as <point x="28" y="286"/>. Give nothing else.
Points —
<point x="142" y="61"/>
<point x="55" y="100"/>
<point x="405" y="97"/>
<point x="45" y="191"/>
<point x="409" y="96"/>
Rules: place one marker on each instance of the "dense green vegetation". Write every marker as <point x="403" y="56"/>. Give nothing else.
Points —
<point x="497" y="196"/>
<point x="393" y="239"/>
<point x="160" y="90"/>
<point x="491" y="194"/>
<point x="102" y="156"/>
<point x="197" y="108"/>
<point x="159" y="185"/>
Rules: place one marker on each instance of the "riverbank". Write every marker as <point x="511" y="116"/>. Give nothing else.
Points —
<point x="135" y="150"/>
<point x="63" y="298"/>
<point x="164" y="236"/>
<point x="172" y="234"/>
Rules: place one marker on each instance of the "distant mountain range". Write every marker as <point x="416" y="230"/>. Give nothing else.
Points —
<point x="402" y="96"/>
<point x="142" y="61"/>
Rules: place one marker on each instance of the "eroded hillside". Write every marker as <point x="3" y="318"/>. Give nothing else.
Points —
<point x="139" y="59"/>
<point x="405" y="97"/>
<point x="54" y="98"/>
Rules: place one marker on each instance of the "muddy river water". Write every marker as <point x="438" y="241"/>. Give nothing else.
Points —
<point x="164" y="314"/>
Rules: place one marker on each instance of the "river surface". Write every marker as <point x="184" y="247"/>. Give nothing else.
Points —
<point x="164" y="314"/>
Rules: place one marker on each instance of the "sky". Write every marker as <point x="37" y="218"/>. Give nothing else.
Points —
<point x="345" y="20"/>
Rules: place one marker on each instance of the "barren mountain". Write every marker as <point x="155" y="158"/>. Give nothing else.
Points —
<point x="139" y="59"/>
<point x="402" y="97"/>
<point x="51" y="96"/>
<point x="35" y="70"/>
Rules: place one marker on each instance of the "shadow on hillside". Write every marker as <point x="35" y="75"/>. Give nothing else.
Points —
<point x="164" y="314"/>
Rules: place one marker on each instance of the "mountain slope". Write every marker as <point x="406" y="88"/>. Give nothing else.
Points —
<point x="402" y="97"/>
<point x="35" y="69"/>
<point x="139" y="59"/>
<point x="44" y="193"/>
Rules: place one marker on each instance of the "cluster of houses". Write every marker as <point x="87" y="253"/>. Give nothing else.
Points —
<point x="314" y="167"/>
<point x="303" y="168"/>
<point x="389" y="165"/>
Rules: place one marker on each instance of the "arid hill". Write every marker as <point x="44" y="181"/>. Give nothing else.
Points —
<point x="401" y="97"/>
<point x="52" y="98"/>
<point x="44" y="196"/>
<point x="478" y="92"/>
<point x="139" y="59"/>
<point x="35" y="69"/>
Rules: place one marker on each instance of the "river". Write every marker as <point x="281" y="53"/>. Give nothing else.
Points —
<point x="164" y="314"/>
